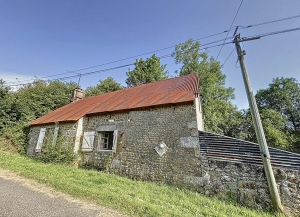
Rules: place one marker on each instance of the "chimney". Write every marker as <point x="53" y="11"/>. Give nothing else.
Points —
<point x="77" y="94"/>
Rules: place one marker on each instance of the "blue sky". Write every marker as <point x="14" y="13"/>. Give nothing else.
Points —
<point x="44" y="38"/>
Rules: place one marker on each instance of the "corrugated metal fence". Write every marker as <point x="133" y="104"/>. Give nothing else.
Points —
<point x="224" y="148"/>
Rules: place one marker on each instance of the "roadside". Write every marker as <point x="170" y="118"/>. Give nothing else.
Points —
<point x="25" y="197"/>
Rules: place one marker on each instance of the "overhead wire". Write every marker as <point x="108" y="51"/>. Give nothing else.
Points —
<point x="74" y="76"/>
<point x="169" y="55"/>
<point x="229" y="30"/>
<point x="268" y="22"/>
<point x="77" y="74"/>
<point x="73" y="71"/>
<point x="273" y="33"/>
<point x="109" y="69"/>
<point x="231" y="26"/>
<point x="228" y="57"/>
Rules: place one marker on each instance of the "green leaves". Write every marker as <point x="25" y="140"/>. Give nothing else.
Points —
<point x="216" y="98"/>
<point x="281" y="100"/>
<point x="105" y="86"/>
<point x="146" y="71"/>
<point x="28" y="103"/>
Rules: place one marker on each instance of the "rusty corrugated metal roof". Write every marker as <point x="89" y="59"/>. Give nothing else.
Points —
<point x="171" y="91"/>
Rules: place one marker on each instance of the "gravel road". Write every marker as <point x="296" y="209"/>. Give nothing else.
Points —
<point x="20" y="197"/>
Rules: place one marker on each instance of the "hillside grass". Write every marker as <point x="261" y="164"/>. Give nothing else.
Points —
<point x="135" y="198"/>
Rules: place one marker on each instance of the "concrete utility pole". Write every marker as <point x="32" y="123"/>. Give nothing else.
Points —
<point x="264" y="151"/>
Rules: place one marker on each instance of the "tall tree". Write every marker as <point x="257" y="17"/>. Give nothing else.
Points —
<point x="283" y="97"/>
<point x="217" y="106"/>
<point x="28" y="103"/>
<point x="146" y="71"/>
<point x="105" y="86"/>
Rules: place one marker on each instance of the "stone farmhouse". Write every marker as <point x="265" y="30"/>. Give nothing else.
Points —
<point x="144" y="127"/>
<point x="156" y="132"/>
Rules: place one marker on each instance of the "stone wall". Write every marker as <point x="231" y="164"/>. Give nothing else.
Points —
<point x="246" y="184"/>
<point x="140" y="134"/>
<point x="161" y="144"/>
<point x="35" y="131"/>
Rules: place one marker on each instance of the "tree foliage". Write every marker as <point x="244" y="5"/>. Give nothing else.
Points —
<point x="221" y="116"/>
<point x="146" y="71"/>
<point x="282" y="101"/>
<point x="105" y="86"/>
<point x="28" y="103"/>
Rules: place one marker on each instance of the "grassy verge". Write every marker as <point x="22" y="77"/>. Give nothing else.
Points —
<point x="135" y="198"/>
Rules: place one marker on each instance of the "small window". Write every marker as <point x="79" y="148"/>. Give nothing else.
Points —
<point x="103" y="140"/>
<point x="107" y="140"/>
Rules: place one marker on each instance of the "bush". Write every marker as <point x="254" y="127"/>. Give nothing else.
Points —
<point x="15" y="136"/>
<point x="61" y="153"/>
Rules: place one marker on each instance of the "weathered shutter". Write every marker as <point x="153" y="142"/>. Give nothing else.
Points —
<point x="114" y="147"/>
<point x="55" y="135"/>
<point x="39" y="144"/>
<point x="88" y="141"/>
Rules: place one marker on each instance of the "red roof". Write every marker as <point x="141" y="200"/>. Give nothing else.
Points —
<point x="172" y="91"/>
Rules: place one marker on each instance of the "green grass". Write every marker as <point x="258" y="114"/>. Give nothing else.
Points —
<point x="134" y="198"/>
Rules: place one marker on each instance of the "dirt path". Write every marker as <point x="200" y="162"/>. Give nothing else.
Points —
<point x="24" y="197"/>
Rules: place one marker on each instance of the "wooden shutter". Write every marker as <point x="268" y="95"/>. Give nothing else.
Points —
<point x="55" y="135"/>
<point x="114" y="147"/>
<point x="88" y="141"/>
<point x="39" y="144"/>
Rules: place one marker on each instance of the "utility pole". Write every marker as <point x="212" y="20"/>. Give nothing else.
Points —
<point x="264" y="151"/>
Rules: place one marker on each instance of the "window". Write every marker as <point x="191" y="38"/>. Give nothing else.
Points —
<point x="46" y="136"/>
<point x="107" y="140"/>
<point x="103" y="141"/>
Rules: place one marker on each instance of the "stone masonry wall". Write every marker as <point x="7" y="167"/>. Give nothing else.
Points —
<point x="35" y="131"/>
<point x="140" y="132"/>
<point x="246" y="184"/>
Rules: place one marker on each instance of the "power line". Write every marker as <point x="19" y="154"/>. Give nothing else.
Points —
<point x="109" y="69"/>
<point x="230" y="26"/>
<point x="209" y="36"/>
<point x="168" y="55"/>
<point x="227" y="57"/>
<point x="274" y="33"/>
<point x="74" y="76"/>
<point x="229" y="30"/>
<point x="268" y="22"/>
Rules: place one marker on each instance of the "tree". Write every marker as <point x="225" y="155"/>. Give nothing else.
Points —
<point x="217" y="107"/>
<point x="105" y="86"/>
<point x="283" y="98"/>
<point x="146" y="71"/>
<point x="28" y="103"/>
<point x="5" y="104"/>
